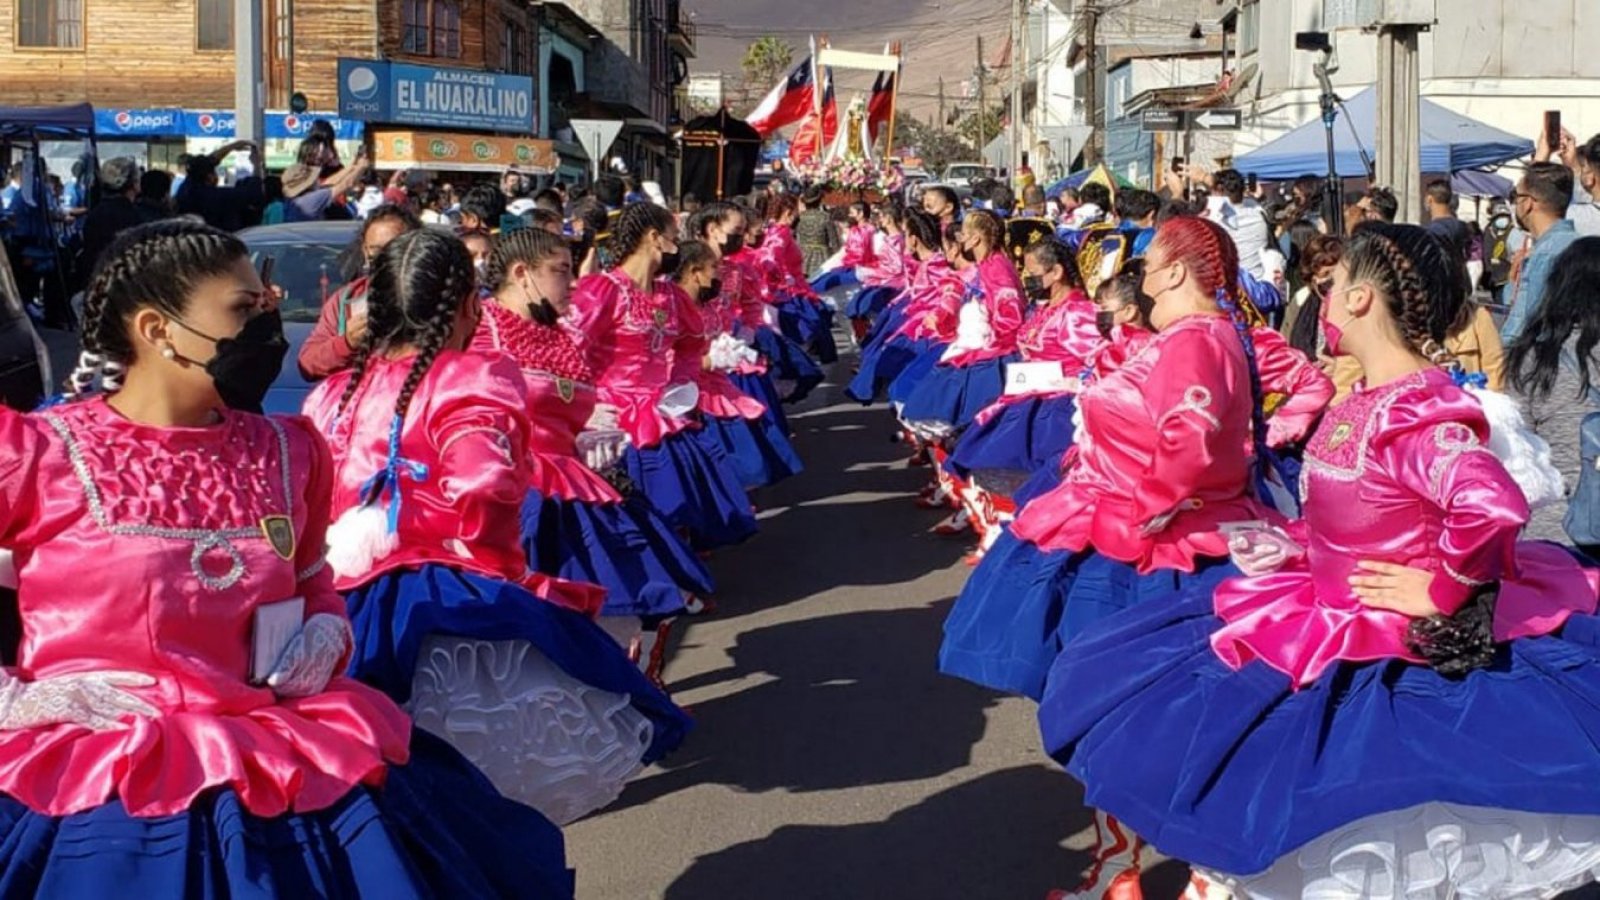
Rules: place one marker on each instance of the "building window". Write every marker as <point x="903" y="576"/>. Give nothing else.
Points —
<point x="213" y="23"/>
<point x="1250" y="28"/>
<point x="280" y="52"/>
<point x="514" y="55"/>
<point x="431" y="28"/>
<point x="50" y="23"/>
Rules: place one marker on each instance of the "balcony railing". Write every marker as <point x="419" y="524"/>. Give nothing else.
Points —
<point x="680" y="28"/>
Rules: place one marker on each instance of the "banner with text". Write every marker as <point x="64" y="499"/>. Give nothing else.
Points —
<point x="435" y="97"/>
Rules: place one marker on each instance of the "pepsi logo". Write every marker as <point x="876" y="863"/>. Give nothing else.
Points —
<point x="208" y="123"/>
<point x="124" y="119"/>
<point x="291" y="123"/>
<point x="362" y="83"/>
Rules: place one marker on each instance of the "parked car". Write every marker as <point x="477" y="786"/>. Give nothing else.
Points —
<point x="963" y="174"/>
<point x="25" y="367"/>
<point x="311" y="262"/>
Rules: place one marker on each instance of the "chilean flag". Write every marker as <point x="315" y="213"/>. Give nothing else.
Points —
<point x="881" y="104"/>
<point x="804" y="145"/>
<point x="788" y="102"/>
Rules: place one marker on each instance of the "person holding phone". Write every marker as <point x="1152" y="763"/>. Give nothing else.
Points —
<point x="343" y="321"/>
<point x="153" y="523"/>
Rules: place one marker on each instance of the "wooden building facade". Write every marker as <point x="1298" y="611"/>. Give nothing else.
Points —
<point x="179" y="53"/>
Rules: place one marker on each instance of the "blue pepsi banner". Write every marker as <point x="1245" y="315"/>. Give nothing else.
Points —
<point x="435" y="97"/>
<point x="210" y="123"/>
<point x="110" y="124"/>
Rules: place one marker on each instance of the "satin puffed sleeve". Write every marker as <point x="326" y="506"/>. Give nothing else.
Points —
<point x="22" y="450"/>
<point x="593" y="319"/>
<point x="480" y="439"/>
<point x="1306" y="389"/>
<point x="689" y="348"/>
<point x="1196" y="385"/>
<point x="1434" y="443"/>
<point x="752" y="302"/>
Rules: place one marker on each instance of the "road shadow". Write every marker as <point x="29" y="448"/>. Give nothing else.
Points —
<point x="856" y="701"/>
<point x="995" y="837"/>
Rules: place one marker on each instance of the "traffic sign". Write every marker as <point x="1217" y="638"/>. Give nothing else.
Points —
<point x="1216" y="119"/>
<point x="1161" y="120"/>
<point x="1231" y="119"/>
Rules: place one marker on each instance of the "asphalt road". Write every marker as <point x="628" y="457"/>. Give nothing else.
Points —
<point x="829" y="758"/>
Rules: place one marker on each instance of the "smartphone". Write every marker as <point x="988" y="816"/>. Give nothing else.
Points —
<point x="1552" y="129"/>
<point x="267" y="263"/>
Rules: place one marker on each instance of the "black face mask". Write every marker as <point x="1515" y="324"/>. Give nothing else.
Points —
<point x="710" y="291"/>
<point x="1034" y="285"/>
<point x="969" y="254"/>
<point x="757" y="239"/>
<point x="1105" y="321"/>
<point x="669" y="264"/>
<point x="732" y="244"/>
<point x="245" y="366"/>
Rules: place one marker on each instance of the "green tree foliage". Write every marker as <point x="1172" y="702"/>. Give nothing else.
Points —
<point x="766" y="61"/>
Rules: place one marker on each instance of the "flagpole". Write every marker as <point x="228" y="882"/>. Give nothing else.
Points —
<point x="894" y="101"/>
<point x="817" y="91"/>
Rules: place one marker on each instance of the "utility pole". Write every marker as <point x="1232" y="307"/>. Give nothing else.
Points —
<point x="983" y="105"/>
<point x="248" y="89"/>
<point x="1015" y="133"/>
<point x="1091" y="24"/>
<point x="1399" y="112"/>
<point x="941" y="105"/>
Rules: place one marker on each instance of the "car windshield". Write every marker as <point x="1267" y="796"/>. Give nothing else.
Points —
<point x="308" y="272"/>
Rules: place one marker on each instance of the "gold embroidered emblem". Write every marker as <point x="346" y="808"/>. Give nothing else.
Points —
<point x="1341" y="433"/>
<point x="660" y="317"/>
<point x="566" y="388"/>
<point x="279" y="531"/>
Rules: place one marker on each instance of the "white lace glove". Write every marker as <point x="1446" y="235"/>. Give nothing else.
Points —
<point x="602" y="450"/>
<point x="1259" y="551"/>
<point x="604" y="418"/>
<point x="312" y="657"/>
<point x="91" y="699"/>
<point x="728" y="353"/>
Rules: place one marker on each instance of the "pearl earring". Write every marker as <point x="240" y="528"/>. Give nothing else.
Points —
<point x="169" y="353"/>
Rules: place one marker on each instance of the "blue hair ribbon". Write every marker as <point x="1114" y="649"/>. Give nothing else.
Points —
<point x="395" y="469"/>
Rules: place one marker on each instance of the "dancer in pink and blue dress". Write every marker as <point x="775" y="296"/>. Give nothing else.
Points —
<point x="740" y="425"/>
<point x="1399" y="698"/>
<point x="725" y="227"/>
<point x="882" y="272"/>
<point x="143" y="750"/>
<point x="628" y="321"/>
<point x="1164" y="457"/>
<point x="575" y="524"/>
<point x="923" y="315"/>
<point x="802" y="316"/>
<point x="432" y="446"/>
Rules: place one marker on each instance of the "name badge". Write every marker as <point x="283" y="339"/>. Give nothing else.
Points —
<point x="1036" y="377"/>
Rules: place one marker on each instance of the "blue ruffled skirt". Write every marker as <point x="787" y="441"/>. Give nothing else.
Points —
<point x="392" y="615"/>
<point x="811" y="326"/>
<point x="1234" y="770"/>
<point x="692" y="484"/>
<point x="1022" y="605"/>
<point x="760" y="453"/>
<point x="912" y="375"/>
<point x="834" y="278"/>
<point x="786" y="361"/>
<point x="437" y="828"/>
<point x="868" y="302"/>
<point x="1021" y="437"/>
<point x="762" y="388"/>
<point x="624" y="547"/>
<point x="1043" y="480"/>
<point x="954" y="395"/>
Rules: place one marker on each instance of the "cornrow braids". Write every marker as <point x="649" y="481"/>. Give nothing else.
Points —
<point x="713" y="213"/>
<point x="1050" y="253"/>
<point x="988" y="225"/>
<point x="634" y="224"/>
<point x="155" y="265"/>
<point x="1412" y="272"/>
<point x="529" y="246"/>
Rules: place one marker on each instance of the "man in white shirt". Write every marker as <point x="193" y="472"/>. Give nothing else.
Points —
<point x="1242" y="216"/>
<point x="1584" y="161"/>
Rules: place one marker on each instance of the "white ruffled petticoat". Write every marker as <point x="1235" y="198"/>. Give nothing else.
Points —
<point x="1437" y="852"/>
<point x="544" y="738"/>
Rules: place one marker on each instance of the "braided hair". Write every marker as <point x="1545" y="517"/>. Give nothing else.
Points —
<point x="1414" y="274"/>
<point x="155" y="265"/>
<point x="1127" y="287"/>
<point x="714" y="213"/>
<point x="925" y="228"/>
<point x="1051" y="253"/>
<point x="531" y="247"/>
<point x="988" y="225"/>
<point x="634" y="225"/>
<point x="419" y="283"/>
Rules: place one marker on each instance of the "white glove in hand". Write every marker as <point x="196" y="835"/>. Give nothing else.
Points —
<point x="92" y="699"/>
<point x="1261" y="551"/>
<point x="605" y="418"/>
<point x="312" y="657"/>
<point x="602" y="450"/>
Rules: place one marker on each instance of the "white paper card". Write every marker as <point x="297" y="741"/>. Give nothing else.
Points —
<point x="1036" y="377"/>
<point x="275" y="626"/>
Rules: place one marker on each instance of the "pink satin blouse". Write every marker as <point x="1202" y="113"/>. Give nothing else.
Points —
<point x="1000" y="292"/>
<point x="1399" y="474"/>
<point x="1164" y="456"/>
<point x="719" y="397"/>
<point x="148" y="550"/>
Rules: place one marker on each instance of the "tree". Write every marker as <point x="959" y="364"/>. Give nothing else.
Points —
<point x="936" y="147"/>
<point x="766" y="61"/>
<point x="968" y="127"/>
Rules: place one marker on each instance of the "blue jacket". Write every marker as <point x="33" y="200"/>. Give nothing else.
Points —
<point x="1528" y="293"/>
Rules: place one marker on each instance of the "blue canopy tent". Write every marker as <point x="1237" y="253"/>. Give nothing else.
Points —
<point x="1451" y="142"/>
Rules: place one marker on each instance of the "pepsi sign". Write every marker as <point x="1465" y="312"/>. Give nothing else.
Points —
<point x="435" y="96"/>
<point x="210" y="123"/>
<point x="112" y="123"/>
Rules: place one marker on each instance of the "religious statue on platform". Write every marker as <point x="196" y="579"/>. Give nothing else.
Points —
<point x="854" y="141"/>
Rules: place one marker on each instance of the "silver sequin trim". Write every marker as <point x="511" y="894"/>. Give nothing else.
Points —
<point x="1469" y="582"/>
<point x="204" y="540"/>
<point x="311" y="571"/>
<point x="1454" y="439"/>
<point x="1379" y="411"/>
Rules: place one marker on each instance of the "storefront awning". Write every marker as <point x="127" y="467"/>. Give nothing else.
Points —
<point x="450" y="152"/>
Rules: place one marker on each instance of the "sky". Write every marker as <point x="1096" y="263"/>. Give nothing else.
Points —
<point x="938" y="36"/>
